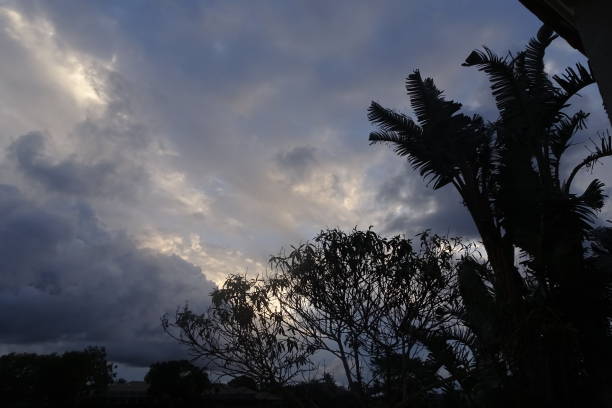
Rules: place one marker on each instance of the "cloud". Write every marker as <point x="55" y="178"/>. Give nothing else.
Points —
<point x="68" y="280"/>
<point x="143" y="138"/>
<point x="68" y="176"/>
<point x="298" y="160"/>
<point x="412" y="206"/>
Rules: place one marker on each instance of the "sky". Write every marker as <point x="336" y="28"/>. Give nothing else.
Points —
<point x="150" y="148"/>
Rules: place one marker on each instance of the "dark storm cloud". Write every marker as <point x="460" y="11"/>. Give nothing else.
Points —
<point x="213" y="108"/>
<point x="66" y="279"/>
<point x="67" y="176"/>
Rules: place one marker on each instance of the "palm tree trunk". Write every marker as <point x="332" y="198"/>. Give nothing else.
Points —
<point x="500" y="252"/>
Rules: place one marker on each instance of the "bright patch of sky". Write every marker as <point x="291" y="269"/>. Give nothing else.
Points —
<point x="154" y="147"/>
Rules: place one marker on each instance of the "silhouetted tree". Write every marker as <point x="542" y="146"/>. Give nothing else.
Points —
<point x="353" y="295"/>
<point x="178" y="380"/>
<point x="424" y="300"/>
<point x="405" y="379"/>
<point x="243" y="381"/>
<point x="320" y="393"/>
<point x="241" y="334"/>
<point x="467" y="345"/>
<point x="328" y="291"/>
<point x="547" y="319"/>
<point x="53" y="380"/>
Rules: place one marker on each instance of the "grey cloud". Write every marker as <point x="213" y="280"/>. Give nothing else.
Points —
<point x="297" y="162"/>
<point x="224" y="86"/>
<point x="67" y="176"/>
<point x="108" y="153"/>
<point x="66" y="279"/>
<point x="453" y="221"/>
<point x="441" y="210"/>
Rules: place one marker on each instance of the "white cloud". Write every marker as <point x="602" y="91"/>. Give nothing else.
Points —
<point x="221" y="132"/>
<point x="70" y="71"/>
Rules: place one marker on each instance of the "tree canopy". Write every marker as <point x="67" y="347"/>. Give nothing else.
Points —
<point x="549" y="314"/>
<point x="52" y="379"/>
<point x="429" y="321"/>
<point x="241" y="334"/>
<point x="178" y="379"/>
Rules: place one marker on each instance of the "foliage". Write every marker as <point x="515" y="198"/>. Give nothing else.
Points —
<point x="359" y="296"/>
<point x="434" y="324"/>
<point x="353" y="295"/>
<point x="178" y="379"/>
<point x="407" y="379"/>
<point x="243" y="381"/>
<point x="530" y="329"/>
<point x="241" y="334"/>
<point x="320" y="393"/>
<point x="52" y="379"/>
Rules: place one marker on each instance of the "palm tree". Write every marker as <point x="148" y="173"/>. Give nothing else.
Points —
<point x="508" y="173"/>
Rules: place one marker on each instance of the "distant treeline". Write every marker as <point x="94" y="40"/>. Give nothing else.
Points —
<point x="84" y="379"/>
<point x="53" y="380"/>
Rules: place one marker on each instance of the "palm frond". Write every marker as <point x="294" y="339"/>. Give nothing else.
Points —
<point x="401" y="145"/>
<point x="503" y="81"/>
<point x="534" y="59"/>
<point x="462" y="335"/>
<point x="407" y="139"/>
<point x="572" y="81"/>
<point x="437" y="173"/>
<point x="583" y="213"/>
<point x="427" y="101"/>
<point x="383" y="136"/>
<point x="594" y="196"/>
<point x="603" y="149"/>
<point x="564" y="130"/>
<point x="391" y="121"/>
<point x="443" y="353"/>
<point x="577" y="213"/>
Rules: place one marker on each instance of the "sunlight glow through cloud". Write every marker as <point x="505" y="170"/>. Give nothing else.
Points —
<point x="189" y="140"/>
<point x="70" y="71"/>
